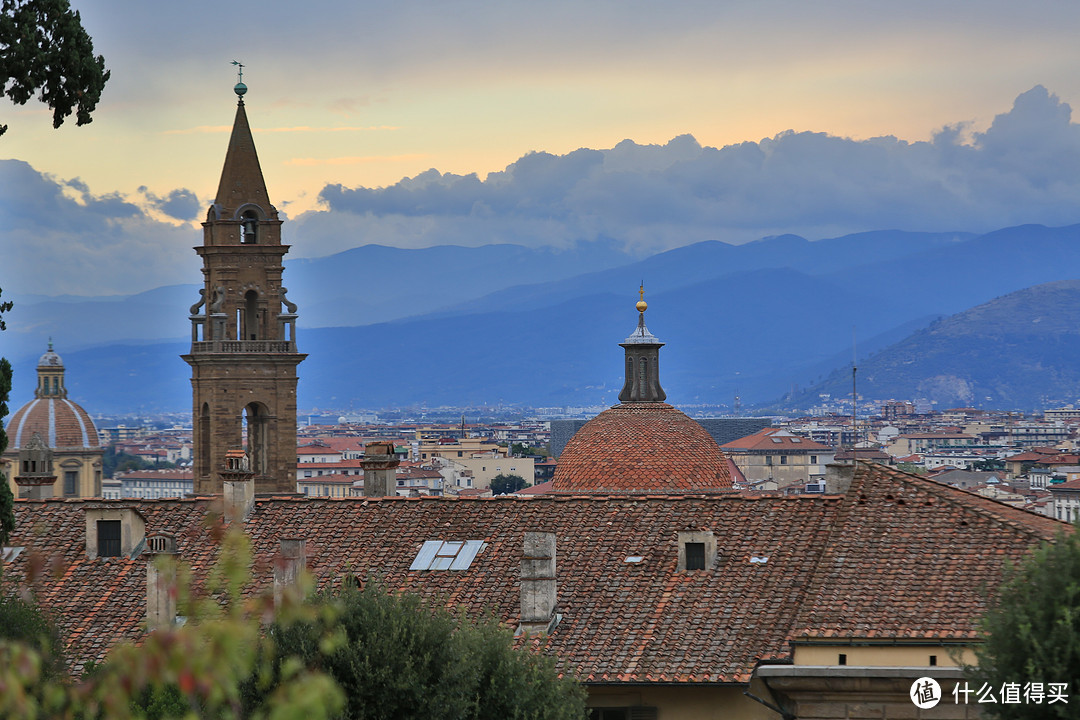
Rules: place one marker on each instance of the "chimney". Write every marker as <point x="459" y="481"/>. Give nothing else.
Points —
<point x="380" y="469"/>
<point x="160" y="582"/>
<point x="34" y="474"/>
<point x="538" y="591"/>
<point x="238" y="486"/>
<point x="288" y="569"/>
<point x="838" y="478"/>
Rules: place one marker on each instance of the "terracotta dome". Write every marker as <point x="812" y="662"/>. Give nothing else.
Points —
<point x="60" y="422"/>
<point x="641" y="447"/>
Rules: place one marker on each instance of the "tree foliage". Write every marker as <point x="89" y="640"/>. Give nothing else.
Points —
<point x="113" y="461"/>
<point x="396" y="657"/>
<point x="1032" y="630"/>
<point x="196" y="670"/>
<point x="503" y="483"/>
<point x="7" y="505"/>
<point x="45" y="49"/>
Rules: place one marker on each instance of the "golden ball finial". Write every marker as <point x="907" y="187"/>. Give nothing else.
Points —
<point x="641" y="304"/>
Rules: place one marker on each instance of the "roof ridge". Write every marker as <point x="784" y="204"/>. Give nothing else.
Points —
<point x="952" y="496"/>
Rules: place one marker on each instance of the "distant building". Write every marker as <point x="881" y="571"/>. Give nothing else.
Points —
<point x="152" y="484"/>
<point x="64" y="428"/>
<point x="780" y="456"/>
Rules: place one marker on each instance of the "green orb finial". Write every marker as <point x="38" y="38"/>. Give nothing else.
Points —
<point x="240" y="88"/>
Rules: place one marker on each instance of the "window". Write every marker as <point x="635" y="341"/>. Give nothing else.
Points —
<point x="250" y="224"/>
<point x="447" y="554"/>
<point x="933" y="660"/>
<point x="108" y="537"/>
<point x="783" y="459"/>
<point x="813" y="459"/>
<point x="695" y="556"/>
<point x="70" y="483"/>
<point x="842" y="660"/>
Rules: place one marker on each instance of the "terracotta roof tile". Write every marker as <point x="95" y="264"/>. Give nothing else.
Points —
<point x="641" y="447"/>
<point x="897" y="556"/>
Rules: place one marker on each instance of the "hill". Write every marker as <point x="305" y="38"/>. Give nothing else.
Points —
<point x="1018" y="351"/>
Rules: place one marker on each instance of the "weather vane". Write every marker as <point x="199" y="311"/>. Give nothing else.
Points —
<point x="240" y="87"/>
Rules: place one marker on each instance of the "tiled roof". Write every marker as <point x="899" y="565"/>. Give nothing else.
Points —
<point x="774" y="438"/>
<point x="907" y="558"/>
<point x="897" y="556"/>
<point x="641" y="447"/>
<point x="60" y="422"/>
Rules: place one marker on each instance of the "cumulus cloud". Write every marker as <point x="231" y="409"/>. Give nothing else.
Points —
<point x="652" y="197"/>
<point x="60" y="238"/>
<point x="179" y="204"/>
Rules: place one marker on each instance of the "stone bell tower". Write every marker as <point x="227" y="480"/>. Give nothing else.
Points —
<point x="243" y="330"/>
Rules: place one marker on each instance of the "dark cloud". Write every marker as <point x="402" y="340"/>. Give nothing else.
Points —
<point x="179" y="204"/>
<point x="59" y="238"/>
<point x="1021" y="169"/>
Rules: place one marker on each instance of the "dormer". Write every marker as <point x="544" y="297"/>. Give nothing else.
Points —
<point x="697" y="550"/>
<point x="114" y="531"/>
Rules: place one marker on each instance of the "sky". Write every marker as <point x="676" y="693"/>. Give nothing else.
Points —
<point x="471" y="122"/>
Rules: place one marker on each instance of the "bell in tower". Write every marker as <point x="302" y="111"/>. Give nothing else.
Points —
<point x="243" y="330"/>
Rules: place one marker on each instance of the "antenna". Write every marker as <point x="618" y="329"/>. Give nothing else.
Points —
<point x="854" y="401"/>
<point x="239" y="70"/>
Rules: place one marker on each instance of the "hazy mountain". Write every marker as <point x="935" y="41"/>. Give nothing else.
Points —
<point x="758" y="320"/>
<point x="1018" y="351"/>
<point x="751" y="333"/>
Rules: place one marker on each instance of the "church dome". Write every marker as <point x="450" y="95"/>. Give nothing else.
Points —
<point x="50" y="359"/>
<point x="641" y="447"/>
<point x="644" y="444"/>
<point x="60" y="422"/>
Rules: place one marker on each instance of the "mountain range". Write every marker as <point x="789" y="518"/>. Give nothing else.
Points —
<point x="502" y="324"/>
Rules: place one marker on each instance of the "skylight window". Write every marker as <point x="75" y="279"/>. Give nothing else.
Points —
<point x="777" y="440"/>
<point x="447" y="554"/>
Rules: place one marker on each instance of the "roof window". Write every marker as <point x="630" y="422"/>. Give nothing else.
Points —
<point x="447" y="554"/>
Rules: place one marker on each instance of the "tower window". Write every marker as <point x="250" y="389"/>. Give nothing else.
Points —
<point x="249" y="225"/>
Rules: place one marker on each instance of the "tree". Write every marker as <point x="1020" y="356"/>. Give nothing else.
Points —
<point x="43" y="47"/>
<point x="1032" y="630"/>
<point x="502" y="484"/>
<point x="397" y="657"/>
<point x="199" y="669"/>
<point x="7" y="500"/>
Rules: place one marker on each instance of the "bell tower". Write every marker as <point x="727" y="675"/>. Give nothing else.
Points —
<point x="243" y="330"/>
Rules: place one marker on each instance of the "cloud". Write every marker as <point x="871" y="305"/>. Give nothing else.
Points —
<point x="1021" y="169"/>
<point x="88" y="244"/>
<point x="179" y="204"/>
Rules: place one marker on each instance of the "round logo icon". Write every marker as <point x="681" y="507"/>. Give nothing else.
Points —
<point x="925" y="693"/>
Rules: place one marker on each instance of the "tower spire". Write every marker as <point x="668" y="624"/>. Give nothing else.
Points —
<point x="242" y="178"/>
<point x="642" y="361"/>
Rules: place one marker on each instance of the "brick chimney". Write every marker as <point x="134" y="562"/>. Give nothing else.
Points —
<point x="160" y="581"/>
<point x="380" y="469"/>
<point x="237" y="486"/>
<point x="538" y="590"/>
<point x="288" y="569"/>
<point x="838" y="478"/>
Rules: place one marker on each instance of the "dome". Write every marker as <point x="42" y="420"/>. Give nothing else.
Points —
<point x="50" y="359"/>
<point x="60" y="422"/>
<point x="641" y="447"/>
